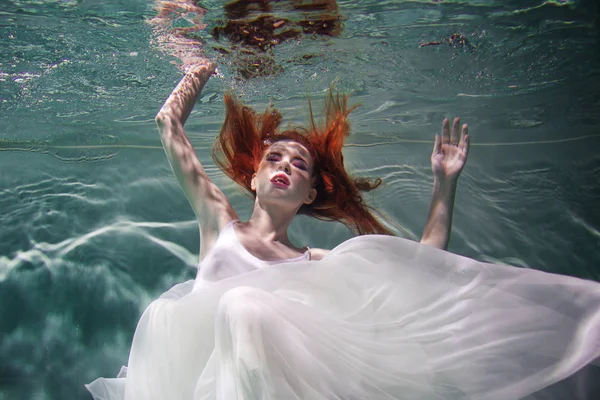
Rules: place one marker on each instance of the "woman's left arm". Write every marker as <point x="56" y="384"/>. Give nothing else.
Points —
<point x="449" y="156"/>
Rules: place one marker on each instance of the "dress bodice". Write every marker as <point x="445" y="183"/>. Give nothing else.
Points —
<point x="228" y="257"/>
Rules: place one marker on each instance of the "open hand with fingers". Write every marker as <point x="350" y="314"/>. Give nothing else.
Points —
<point x="449" y="156"/>
<point x="450" y="151"/>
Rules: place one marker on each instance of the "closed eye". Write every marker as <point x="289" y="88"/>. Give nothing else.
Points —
<point x="273" y="157"/>
<point x="300" y="165"/>
<point x="298" y="162"/>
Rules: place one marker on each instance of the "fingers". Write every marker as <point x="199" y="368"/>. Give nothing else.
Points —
<point x="458" y="137"/>
<point x="464" y="136"/>
<point x="445" y="131"/>
<point x="437" y="145"/>
<point x="201" y="66"/>
<point x="455" y="137"/>
<point x="464" y="143"/>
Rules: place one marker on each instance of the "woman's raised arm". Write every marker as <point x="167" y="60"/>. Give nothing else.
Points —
<point x="449" y="156"/>
<point x="210" y="204"/>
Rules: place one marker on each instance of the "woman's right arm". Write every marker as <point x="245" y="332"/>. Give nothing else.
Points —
<point x="209" y="203"/>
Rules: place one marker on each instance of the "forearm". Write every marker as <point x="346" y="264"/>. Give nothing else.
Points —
<point x="180" y="151"/>
<point x="439" y="223"/>
<point x="181" y="102"/>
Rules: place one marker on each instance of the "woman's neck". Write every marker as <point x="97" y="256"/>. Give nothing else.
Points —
<point x="271" y="224"/>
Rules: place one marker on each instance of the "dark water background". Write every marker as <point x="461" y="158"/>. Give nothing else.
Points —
<point x="94" y="225"/>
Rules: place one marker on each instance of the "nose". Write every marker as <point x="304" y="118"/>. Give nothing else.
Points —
<point x="284" y="166"/>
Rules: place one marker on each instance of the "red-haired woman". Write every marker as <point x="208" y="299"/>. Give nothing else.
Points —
<point x="378" y="317"/>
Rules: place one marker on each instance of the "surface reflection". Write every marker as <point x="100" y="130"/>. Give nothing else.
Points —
<point x="255" y="27"/>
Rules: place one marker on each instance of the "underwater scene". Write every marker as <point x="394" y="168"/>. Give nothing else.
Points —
<point x="94" y="224"/>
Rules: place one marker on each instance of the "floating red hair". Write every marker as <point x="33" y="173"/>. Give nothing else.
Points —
<point x="245" y="135"/>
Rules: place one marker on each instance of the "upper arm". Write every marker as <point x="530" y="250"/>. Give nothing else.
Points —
<point x="211" y="206"/>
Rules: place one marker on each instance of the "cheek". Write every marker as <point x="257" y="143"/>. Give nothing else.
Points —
<point x="262" y="177"/>
<point x="305" y="182"/>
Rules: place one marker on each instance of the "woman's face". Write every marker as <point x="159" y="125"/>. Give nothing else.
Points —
<point x="284" y="175"/>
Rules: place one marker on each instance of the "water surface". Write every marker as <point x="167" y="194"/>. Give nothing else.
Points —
<point x="94" y="225"/>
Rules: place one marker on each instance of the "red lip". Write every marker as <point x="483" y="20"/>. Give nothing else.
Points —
<point x="281" y="179"/>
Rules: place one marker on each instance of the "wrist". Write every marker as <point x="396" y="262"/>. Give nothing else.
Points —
<point x="445" y="184"/>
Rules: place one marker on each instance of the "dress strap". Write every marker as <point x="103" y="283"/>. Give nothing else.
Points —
<point x="231" y="223"/>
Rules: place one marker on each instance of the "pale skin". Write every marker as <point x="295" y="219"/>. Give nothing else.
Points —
<point x="448" y="158"/>
<point x="265" y="234"/>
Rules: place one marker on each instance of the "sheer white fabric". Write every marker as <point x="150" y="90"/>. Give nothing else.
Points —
<point x="378" y="318"/>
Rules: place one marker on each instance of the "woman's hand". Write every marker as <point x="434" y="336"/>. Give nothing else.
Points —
<point x="450" y="151"/>
<point x="180" y="103"/>
<point x="201" y="66"/>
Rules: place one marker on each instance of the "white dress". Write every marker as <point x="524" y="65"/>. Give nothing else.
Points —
<point x="378" y="318"/>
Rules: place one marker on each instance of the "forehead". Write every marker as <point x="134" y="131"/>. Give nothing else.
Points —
<point x="292" y="147"/>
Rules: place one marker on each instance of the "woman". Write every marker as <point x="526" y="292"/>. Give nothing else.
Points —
<point x="378" y="317"/>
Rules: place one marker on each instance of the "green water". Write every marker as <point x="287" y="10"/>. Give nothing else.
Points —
<point x="94" y="225"/>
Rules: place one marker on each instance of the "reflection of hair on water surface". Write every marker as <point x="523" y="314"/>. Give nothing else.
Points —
<point x="254" y="27"/>
<point x="257" y="23"/>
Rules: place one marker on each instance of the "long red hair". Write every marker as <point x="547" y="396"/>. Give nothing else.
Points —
<point x="245" y="135"/>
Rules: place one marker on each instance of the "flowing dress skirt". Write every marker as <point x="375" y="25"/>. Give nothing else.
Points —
<point x="378" y="318"/>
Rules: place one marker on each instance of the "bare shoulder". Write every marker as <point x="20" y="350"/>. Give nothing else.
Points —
<point x="318" y="254"/>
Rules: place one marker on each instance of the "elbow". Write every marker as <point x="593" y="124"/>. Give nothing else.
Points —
<point x="438" y="243"/>
<point x="166" y="123"/>
<point x="163" y="119"/>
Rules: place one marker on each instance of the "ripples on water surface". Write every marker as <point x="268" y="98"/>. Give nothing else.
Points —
<point x="94" y="225"/>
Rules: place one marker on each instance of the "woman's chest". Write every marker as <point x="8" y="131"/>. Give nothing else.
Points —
<point x="266" y="251"/>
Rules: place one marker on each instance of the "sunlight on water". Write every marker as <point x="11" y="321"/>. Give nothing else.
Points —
<point x="94" y="225"/>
